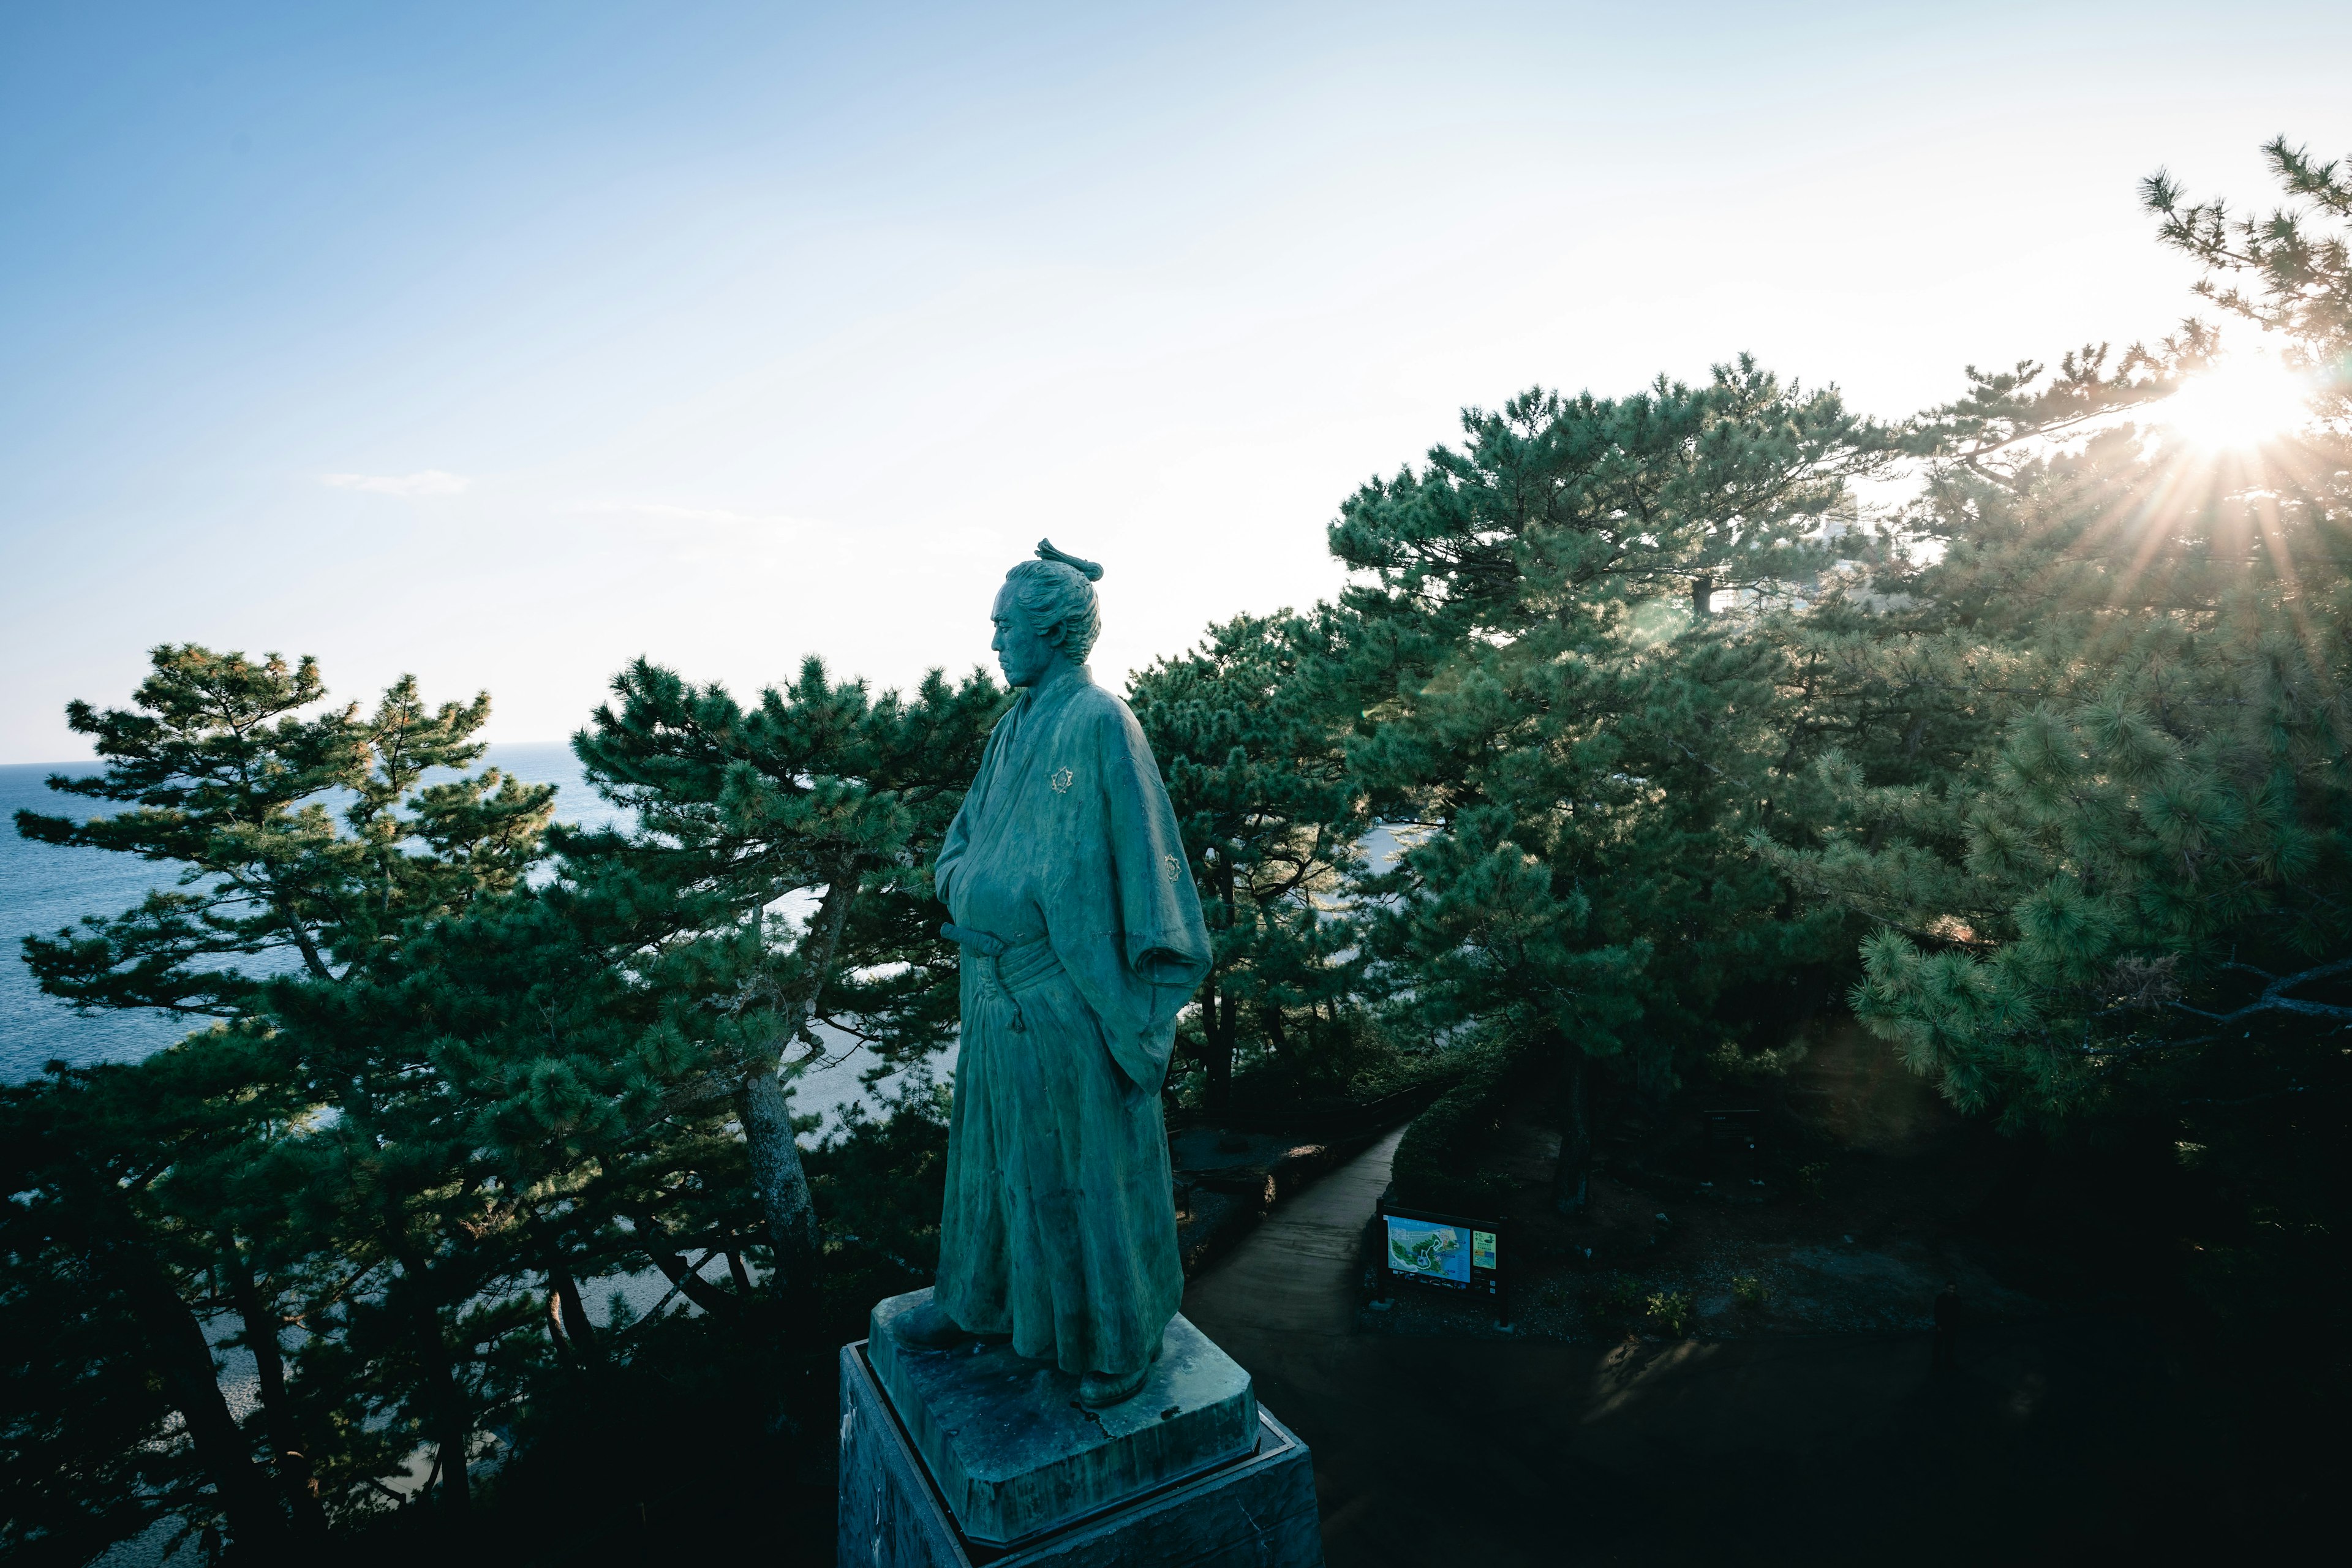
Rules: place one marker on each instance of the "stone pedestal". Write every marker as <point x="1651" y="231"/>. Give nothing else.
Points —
<point x="1013" y="1456"/>
<point x="951" y="1459"/>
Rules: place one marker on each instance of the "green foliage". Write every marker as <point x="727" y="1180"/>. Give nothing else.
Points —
<point x="1670" y="1311"/>
<point x="2093" y="790"/>
<point x="1438" y="1162"/>
<point x="879" y="1184"/>
<point x="1676" y="488"/>
<point x="2299" y="267"/>
<point x="1620" y="1303"/>
<point x="1749" y="1292"/>
<point x="222" y="774"/>
<point x="94" y="1299"/>
<point x="1567" y="741"/>
<point x="2002" y="409"/>
<point x="1729" y="1064"/>
<point x="1250" y="749"/>
<point x="782" y="856"/>
<point x="306" y="845"/>
<point x="1344" y="1059"/>
<point x="794" y="840"/>
<point x="472" y="1093"/>
<point x="2123" y="853"/>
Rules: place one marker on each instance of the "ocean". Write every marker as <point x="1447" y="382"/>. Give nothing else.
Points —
<point x="44" y="888"/>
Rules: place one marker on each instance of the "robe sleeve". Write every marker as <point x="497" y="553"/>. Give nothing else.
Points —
<point x="1141" y="970"/>
<point x="957" y="840"/>
<point x="951" y="853"/>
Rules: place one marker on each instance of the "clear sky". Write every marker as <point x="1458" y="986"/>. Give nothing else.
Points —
<point x="503" y="342"/>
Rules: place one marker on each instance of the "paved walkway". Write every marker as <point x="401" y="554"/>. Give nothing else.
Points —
<point x="1296" y="1274"/>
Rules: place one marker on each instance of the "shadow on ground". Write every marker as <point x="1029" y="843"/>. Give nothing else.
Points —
<point x="2053" y="1440"/>
<point x="2073" y="1435"/>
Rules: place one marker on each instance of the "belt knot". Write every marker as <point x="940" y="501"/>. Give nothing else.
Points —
<point x="1006" y="967"/>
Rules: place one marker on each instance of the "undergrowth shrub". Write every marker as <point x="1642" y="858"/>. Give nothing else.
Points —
<point x="1437" y="1163"/>
<point x="1620" y="1303"/>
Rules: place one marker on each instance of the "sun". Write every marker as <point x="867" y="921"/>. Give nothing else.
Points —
<point x="2237" y="403"/>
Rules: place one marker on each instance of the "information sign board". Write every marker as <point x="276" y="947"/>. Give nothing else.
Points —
<point x="1446" y="1251"/>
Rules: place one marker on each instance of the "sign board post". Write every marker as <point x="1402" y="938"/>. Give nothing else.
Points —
<point x="1732" y="1142"/>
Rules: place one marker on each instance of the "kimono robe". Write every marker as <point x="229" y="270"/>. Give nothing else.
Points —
<point x="1058" y="1227"/>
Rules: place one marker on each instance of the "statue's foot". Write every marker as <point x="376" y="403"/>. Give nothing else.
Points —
<point x="1101" y="1390"/>
<point x="928" y="1328"/>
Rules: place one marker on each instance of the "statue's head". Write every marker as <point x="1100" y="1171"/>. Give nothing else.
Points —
<point x="1045" y="614"/>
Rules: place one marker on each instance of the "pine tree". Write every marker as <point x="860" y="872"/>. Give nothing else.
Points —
<point x="442" y="1095"/>
<point x="788" y="847"/>
<point x="2123" y="859"/>
<point x="1564" y="731"/>
<point x="2107" y="889"/>
<point x="113" y="1416"/>
<point x="307" y="844"/>
<point x="2152" y="809"/>
<point x="2299" y="268"/>
<point x="1253" y="754"/>
<point x="222" y="775"/>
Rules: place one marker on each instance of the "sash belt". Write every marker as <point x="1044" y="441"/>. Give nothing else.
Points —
<point x="1006" y="967"/>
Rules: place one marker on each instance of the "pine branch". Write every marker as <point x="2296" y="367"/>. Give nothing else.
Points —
<point x="2274" y="999"/>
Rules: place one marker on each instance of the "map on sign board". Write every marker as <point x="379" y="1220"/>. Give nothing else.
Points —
<point x="1431" y="1251"/>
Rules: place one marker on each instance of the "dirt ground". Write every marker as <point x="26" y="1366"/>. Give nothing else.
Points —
<point x="2056" y="1441"/>
<point x="1864" y="1197"/>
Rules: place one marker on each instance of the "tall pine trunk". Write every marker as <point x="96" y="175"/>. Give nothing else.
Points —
<point x="1703" y="594"/>
<point x="570" y="1308"/>
<point x="1571" y="1182"/>
<point x="449" y="1422"/>
<point x="1217" y="1042"/>
<point x="780" y="1179"/>
<point x="290" y="1454"/>
<point x="766" y="1110"/>
<point x="1217" y="1030"/>
<point x="184" y="1362"/>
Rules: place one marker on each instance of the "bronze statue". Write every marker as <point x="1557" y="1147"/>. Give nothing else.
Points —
<point x="1082" y="938"/>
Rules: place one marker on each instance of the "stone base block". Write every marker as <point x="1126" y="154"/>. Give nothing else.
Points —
<point x="1004" y="1440"/>
<point x="1256" y="1509"/>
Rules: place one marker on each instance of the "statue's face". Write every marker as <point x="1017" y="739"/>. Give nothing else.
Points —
<point x="1023" y="656"/>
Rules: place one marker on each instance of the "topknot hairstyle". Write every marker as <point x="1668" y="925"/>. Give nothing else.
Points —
<point x="1058" y="590"/>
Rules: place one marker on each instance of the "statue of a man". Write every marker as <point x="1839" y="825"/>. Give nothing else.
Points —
<point x="1082" y="937"/>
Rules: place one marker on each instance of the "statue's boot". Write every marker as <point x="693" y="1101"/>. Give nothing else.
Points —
<point x="1101" y="1390"/>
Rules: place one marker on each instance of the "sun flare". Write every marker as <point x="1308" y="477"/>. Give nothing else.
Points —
<point x="2240" y="402"/>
